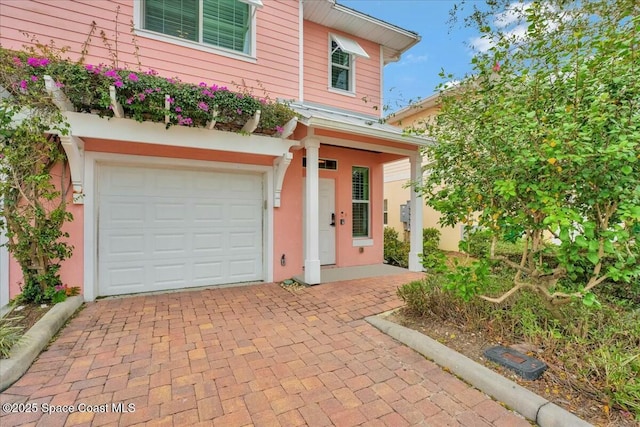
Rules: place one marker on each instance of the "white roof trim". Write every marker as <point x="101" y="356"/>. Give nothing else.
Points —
<point x="255" y="3"/>
<point x="358" y="125"/>
<point x="349" y="46"/>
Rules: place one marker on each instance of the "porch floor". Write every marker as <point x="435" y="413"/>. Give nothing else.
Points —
<point x="330" y="274"/>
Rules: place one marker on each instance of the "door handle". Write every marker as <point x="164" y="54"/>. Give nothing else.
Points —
<point x="333" y="220"/>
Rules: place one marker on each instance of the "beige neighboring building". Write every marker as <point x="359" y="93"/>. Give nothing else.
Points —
<point x="397" y="176"/>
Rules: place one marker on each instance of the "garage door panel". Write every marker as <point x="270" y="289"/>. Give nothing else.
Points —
<point x="125" y="245"/>
<point x="161" y="229"/>
<point x="127" y="278"/>
<point x="169" y="275"/>
<point x="204" y="272"/>
<point x="169" y="244"/>
<point x="208" y="213"/>
<point x="124" y="214"/>
<point x="242" y="268"/>
<point x="164" y="211"/>
<point x="242" y="241"/>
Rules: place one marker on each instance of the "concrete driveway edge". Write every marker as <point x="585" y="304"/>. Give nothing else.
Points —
<point x="516" y="397"/>
<point x="35" y="340"/>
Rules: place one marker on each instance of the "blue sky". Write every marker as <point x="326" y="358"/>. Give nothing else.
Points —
<point x="416" y="74"/>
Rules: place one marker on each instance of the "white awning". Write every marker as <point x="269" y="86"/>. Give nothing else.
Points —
<point x="256" y="3"/>
<point x="349" y="46"/>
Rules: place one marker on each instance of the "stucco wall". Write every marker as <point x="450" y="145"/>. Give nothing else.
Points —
<point x="366" y="98"/>
<point x="396" y="177"/>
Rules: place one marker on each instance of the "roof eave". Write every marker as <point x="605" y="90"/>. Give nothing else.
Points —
<point x="327" y="124"/>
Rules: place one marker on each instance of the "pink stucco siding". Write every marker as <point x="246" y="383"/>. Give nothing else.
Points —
<point x="316" y="73"/>
<point x="69" y="24"/>
<point x="274" y="72"/>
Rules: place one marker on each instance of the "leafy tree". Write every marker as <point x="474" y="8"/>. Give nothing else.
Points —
<point x="542" y="142"/>
<point x="34" y="209"/>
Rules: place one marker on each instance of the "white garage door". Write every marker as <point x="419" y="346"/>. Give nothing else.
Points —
<point x="161" y="229"/>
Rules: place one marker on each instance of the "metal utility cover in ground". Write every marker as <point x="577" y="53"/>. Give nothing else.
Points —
<point x="525" y="366"/>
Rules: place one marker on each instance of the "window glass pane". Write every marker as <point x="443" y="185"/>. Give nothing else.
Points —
<point x="339" y="57"/>
<point x="178" y="18"/>
<point x="360" y="183"/>
<point x="360" y="219"/>
<point x="340" y="68"/>
<point x="340" y="78"/>
<point x="360" y="202"/>
<point x="226" y="24"/>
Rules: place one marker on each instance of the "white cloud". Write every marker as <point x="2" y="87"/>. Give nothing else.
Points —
<point x="511" y="24"/>
<point x="481" y="44"/>
<point x="511" y="15"/>
<point x="411" y="59"/>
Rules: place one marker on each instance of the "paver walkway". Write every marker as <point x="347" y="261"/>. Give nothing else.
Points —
<point x="254" y="355"/>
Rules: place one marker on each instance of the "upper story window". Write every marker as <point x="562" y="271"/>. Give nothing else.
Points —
<point x="343" y="53"/>
<point x="226" y="24"/>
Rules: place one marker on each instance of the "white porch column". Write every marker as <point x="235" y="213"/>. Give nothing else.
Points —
<point x="415" y="250"/>
<point x="311" y="212"/>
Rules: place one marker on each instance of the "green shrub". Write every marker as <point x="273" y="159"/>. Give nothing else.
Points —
<point x="433" y="259"/>
<point x="396" y="252"/>
<point x="9" y="336"/>
<point x="476" y="243"/>
<point x="430" y="240"/>
<point x="600" y="346"/>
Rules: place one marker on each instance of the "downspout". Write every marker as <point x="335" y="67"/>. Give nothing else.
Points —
<point x="301" y="52"/>
<point x="381" y="106"/>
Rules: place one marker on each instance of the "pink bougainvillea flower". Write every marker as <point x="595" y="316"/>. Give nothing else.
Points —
<point x="203" y="106"/>
<point x="214" y="88"/>
<point x="133" y="77"/>
<point x="279" y="129"/>
<point x="17" y="61"/>
<point x="118" y="83"/>
<point x="202" y="84"/>
<point x="34" y="78"/>
<point x="38" y="62"/>
<point x="263" y="101"/>
<point x="141" y="96"/>
<point x="129" y="100"/>
<point x="111" y="73"/>
<point x="23" y="84"/>
<point x="239" y="111"/>
<point x="178" y="109"/>
<point x="59" y="84"/>
<point x="171" y="100"/>
<point x="496" y="67"/>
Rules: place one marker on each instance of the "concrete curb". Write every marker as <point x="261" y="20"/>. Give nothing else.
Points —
<point x="35" y="340"/>
<point x="516" y="397"/>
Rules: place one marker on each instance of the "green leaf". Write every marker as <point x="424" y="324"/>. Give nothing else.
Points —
<point x="589" y="299"/>
<point x="593" y="258"/>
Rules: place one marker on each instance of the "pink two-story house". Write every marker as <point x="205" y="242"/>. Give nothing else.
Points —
<point x="157" y="209"/>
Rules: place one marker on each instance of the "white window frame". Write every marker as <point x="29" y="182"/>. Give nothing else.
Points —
<point x="250" y="56"/>
<point x="362" y="240"/>
<point x="353" y="49"/>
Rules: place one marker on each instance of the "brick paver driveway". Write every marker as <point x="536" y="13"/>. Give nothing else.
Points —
<point x="253" y="355"/>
